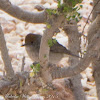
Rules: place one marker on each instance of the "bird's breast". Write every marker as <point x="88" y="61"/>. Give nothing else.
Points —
<point x="32" y="52"/>
<point x="55" y="57"/>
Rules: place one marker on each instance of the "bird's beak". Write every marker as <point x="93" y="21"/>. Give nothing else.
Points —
<point x="23" y="45"/>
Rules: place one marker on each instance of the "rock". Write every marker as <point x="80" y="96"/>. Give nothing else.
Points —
<point x="91" y="98"/>
<point x="13" y="39"/>
<point x="54" y="5"/>
<point x="46" y="5"/>
<point x="89" y="74"/>
<point x="20" y="27"/>
<point x="35" y="1"/>
<point x="17" y="2"/>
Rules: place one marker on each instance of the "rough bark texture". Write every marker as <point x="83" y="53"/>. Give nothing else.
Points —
<point x="96" y="63"/>
<point x="15" y="11"/>
<point x="96" y="9"/>
<point x="44" y="47"/>
<point x="58" y="72"/>
<point x="4" y="53"/>
<point x="74" y="46"/>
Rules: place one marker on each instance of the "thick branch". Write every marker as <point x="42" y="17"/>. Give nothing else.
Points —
<point x="55" y="23"/>
<point x="74" y="46"/>
<point x="58" y="72"/>
<point x="91" y="55"/>
<point x="4" y="53"/>
<point x="39" y="17"/>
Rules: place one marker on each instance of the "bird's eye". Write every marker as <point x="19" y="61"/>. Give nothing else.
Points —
<point x="31" y="42"/>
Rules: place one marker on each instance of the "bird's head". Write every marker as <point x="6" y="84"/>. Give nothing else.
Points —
<point x="31" y="38"/>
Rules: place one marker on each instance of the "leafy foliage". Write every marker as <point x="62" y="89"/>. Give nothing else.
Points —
<point x="51" y="42"/>
<point x="48" y="25"/>
<point x="68" y="8"/>
<point x="35" y="68"/>
<point x="52" y="11"/>
<point x="74" y="14"/>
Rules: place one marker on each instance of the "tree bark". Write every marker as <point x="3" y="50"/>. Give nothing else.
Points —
<point x="74" y="46"/>
<point x="5" y="56"/>
<point x="96" y="63"/>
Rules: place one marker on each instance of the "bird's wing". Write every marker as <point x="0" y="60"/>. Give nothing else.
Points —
<point x="58" y="48"/>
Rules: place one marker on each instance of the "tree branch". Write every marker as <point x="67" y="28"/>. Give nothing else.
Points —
<point x="4" y="53"/>
<point x="91" y="55"/>
<point x="58" y="72"/>
<point x="31" y="17"/>
<point x="54" y="23"/>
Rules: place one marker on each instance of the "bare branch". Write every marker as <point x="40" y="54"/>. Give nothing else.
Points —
<point x="39" y="17"/>
<point x="91" y="55"/>
<point x="4" y="53"/>
<point x="74" y="46"/>
<point x="4" y="86"/>
<point x="58" y="72"/>
<point x="23" y="63"/>
<point x="54" y="23"/>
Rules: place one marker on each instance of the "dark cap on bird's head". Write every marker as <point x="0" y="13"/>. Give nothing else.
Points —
<point x="30" y="39"/>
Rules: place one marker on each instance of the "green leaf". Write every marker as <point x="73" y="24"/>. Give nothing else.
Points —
<point x="81" y="6"/>
<point x="50" y="43"/>
<point x="31" y="66"/>
<point x="54" y="41"/>
<point x="45" y="56"/>
<point x="21" y="83"/>
<point x="36" y="68"/>
<point x="31" y="74"/>
<point x="48" y="26"/>
<point x="59" y="4"/>
<point x="76" y="19"/>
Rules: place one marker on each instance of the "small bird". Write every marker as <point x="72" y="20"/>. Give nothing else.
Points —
<point x="57" y="51"/>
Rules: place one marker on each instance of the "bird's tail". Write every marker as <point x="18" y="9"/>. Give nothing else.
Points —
<point x="73" y="55"/>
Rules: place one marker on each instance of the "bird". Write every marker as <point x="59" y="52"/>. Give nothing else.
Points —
<point x="57" y="51"/>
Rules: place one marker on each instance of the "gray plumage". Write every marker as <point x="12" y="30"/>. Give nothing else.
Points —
<point x="32" y="46"/>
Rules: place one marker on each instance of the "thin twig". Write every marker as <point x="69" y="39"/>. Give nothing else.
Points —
<point x="5" y="56"/>
<point x="23" y="63"/>
<point x="89" y="17"/>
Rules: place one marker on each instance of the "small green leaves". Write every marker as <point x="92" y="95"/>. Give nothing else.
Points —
<point x="31" y="66"/>
<point x="59" y="4"/>
<point x="54" y="41"/>
<point x="74" y="14"/>
<point x="51" y="42"/>
<point x="48" y="11"/>
<point x="48" y="25"/>
<point x="70" y="9"/>
<point x="21" y="83"/>
<point x="43" y="90"/>
<point x="45" y="56"/>
<point x="36" y="68"/>
<point x="81" y="6"/>
<point x="51" y="11"/>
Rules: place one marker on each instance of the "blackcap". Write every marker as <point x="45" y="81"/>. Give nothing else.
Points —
<point x="57" y="51"/>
